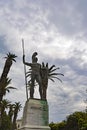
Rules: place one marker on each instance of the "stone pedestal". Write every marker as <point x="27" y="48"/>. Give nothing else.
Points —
<point x="35" y="115"/>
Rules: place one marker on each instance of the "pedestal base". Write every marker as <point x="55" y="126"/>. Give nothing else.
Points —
<point x="35" y="115"/>
<point x="35" y="128"/>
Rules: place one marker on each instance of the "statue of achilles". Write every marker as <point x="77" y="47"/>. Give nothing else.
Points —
<point x="41" y="73"/>
<point x="35" y="74"/>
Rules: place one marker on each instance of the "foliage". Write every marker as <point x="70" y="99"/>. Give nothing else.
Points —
<point x="6" y="123"/>
<point x="8" y="63"/>
<point x="75" y="121"/>
<point x="5" y="87"/>
<point x="17" y="107"/>
<point x="52" y="74"/>
<point x="8" y="119"/>
<point x="47" y="73"/>
<point x="4" y="81"/>
<point x="7" y="110"/>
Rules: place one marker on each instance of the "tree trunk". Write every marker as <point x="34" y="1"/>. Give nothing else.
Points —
<point x="14" y="121"/>
<point x="6" y="69"/>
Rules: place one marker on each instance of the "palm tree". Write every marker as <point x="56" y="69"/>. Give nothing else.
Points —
<point x="5" y="122"/>
<point x="48" y="73"/>
<point x="52" y="75"/>
<point x="4" y="81"/>
<point x="11" y="111"/>
<point x="17" y="107"/>
<point x="5" y="88"/>
<point x="4" y="105"/>
<point x="8" y="63"/>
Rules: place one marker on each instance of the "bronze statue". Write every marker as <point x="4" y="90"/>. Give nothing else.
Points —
<point x="40" y="74"/>
<point x="35" y="74"/>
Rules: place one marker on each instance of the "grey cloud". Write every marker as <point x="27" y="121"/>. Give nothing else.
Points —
<point x="68" y="17"/>
<point x="3" y="48"/>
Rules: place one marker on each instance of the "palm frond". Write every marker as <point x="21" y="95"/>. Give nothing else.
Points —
<point x="11" y="56"/>
<point x="8" y="81"/>
<point x="53" y="74"/>
<point x="43" y="64"/>
<point x="51" y="79"/>
<point x="47" y="65"/>
<point x="51" y="67"/>
<point x="54" y="77"/>
<point x="7" y="91"/>
<point x="17" y="106"/>
<point x="11" y="87"/>
<point x="14" y="60"/>
<point x="28" y="72"/>
<point x="28" y="75"/>
<point x="56" y="74"/>
<point x="54" y="69"/>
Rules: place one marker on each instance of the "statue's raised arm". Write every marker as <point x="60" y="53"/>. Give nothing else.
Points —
<point x="26" y="63"/>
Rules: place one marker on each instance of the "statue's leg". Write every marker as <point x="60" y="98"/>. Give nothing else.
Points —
<point x="40" y="91"/>
<point x="31" y="92"/>
<point x="32" y="89"/>
<point x="44" y="93"/>
<point x="38" y="79"/>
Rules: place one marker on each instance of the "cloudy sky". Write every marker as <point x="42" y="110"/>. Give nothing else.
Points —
<point x="57" y="30"/>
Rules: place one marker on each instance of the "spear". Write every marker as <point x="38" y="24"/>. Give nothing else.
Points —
<point x="25" y="70"/>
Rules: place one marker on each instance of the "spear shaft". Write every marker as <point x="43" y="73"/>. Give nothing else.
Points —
<point x="25" y="70"/>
